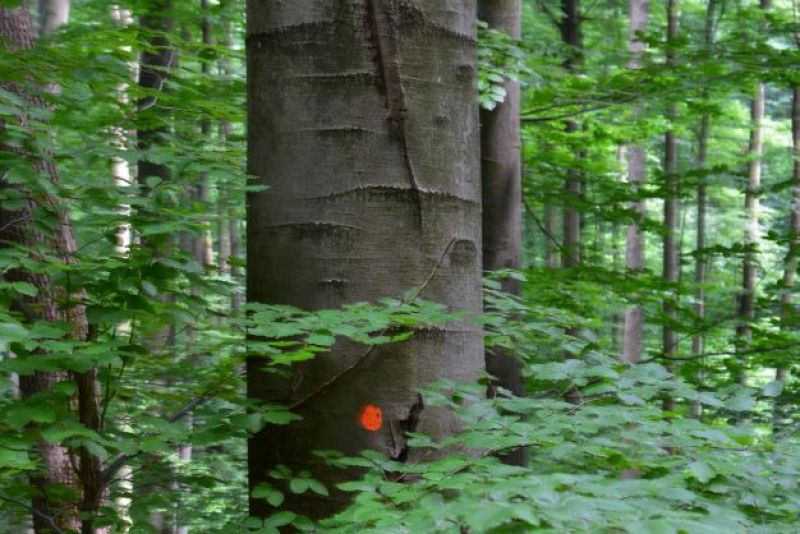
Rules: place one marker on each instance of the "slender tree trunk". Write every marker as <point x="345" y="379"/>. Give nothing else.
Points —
<point x="671" y="257"/>
<point x="501" y="180"/>
<point x="120" y="168"/>
<point x="551" y="251"/>
<point x="787" y="311"/>
<point x="752" y="235"/>
<point x="698" y="340"/>
<point x="57" y="461"/>
<point x="203" y="249"/>
<point x="572" y="35"/>
<point x="362" y="122"/>
<point x="52" y="15"/>
<point x="229" y="230"/>
<point x="156" y="61"/>
<point x="635" y="155"/>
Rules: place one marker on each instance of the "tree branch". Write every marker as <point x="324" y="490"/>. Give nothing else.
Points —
<point x="325" y="385"/>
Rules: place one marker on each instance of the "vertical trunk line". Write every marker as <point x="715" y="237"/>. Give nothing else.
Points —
<point x="698" y="340"/>
<point x="633" y="322"/>
<point x="671" y="258"/>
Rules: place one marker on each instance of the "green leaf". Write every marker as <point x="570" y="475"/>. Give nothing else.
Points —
<point x="299" y="485"/>
<point x="25" y="288"/>
<point x="773" y="389"/>
<point x="320" y="339"/>
<point x="317" y="487"/>
<point x="279" y="519"/>
<point x="701" y="471"/>
<point x="273" y="496"/>
<point x="652" y="526"/>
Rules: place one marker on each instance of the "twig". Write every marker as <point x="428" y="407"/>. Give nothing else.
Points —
<point x="722" y="353"/>
<point x="12" y="222"/>
<point x="325" y="385"/>
<point x="49" y="520"/>
<point x="112" y="468"/>
<point x="544" y="230"/>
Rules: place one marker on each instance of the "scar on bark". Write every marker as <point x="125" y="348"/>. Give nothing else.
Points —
<point x="382" y="23"/>
<point x="409" y="424"/>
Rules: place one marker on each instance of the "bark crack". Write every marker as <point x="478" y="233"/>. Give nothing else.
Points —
<point x="400" y="446"/>
<point x="382" y="21"/>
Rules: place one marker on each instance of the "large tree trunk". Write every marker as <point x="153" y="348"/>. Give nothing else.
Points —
<point x="57" y="461"/>
<point x="635" y="155"/>
<point x="362" y="122"/>
<point x="671" y="259"/>
<point x="501" y="180"/>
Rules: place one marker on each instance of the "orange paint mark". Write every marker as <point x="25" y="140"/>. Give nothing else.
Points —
<point x="370" y="417"/>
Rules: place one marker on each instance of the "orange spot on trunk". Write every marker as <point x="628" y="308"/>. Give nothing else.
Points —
<point x="370" y="417"/>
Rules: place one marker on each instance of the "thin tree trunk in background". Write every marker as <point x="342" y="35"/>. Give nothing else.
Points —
<point x="156" y="61"/>
<point x="551" y="251"/>
<point x="572" y="36"/>
<point x="698" y="340"/>
<point x="635" y="156"/>
<point x="52" y="15"/>
<point x="57" y="464"/>
<point x="752" y="232"/>
<point x="123" y="179"/>
<point x="203" y="248"/>
<point x="787" y="312"/>
<point x="501" y="178"/>
<point x="228" y="229"/>
<point x="671" y="259"/>
<point x="120" y="168"/>
<point x="362" y="121"/>
<point x="752" y="237"/>
<point x="501" y="186"/>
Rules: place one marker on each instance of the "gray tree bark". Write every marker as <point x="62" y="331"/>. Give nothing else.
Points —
<point x="572" y="35"/>
<point x="362" y="122"/>
<point x="635" y="156"/>
<point x="671" y="257"/>
<point x="501" y="180"/>
<point x="52" y="15"/>
<point x="790" y="268"/>
<point x="698" y="340"/>
<point x="752" y="234"/>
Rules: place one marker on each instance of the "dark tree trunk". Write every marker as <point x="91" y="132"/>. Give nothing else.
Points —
<point x="572" y="36"/>
<point x="501" y="180"/>
<point x="671" y="258"/>
<point x="363" y="123"/>
<point x="788" y="319"/>
<point x="698" y="340"/>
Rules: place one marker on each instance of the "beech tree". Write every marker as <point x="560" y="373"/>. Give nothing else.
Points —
<point x="501" y="181"/>
<point x="364" y="129"/>
<point x="752" y="233"/>
<point x="671" y="255"/>
<point x="637" y="172"/>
